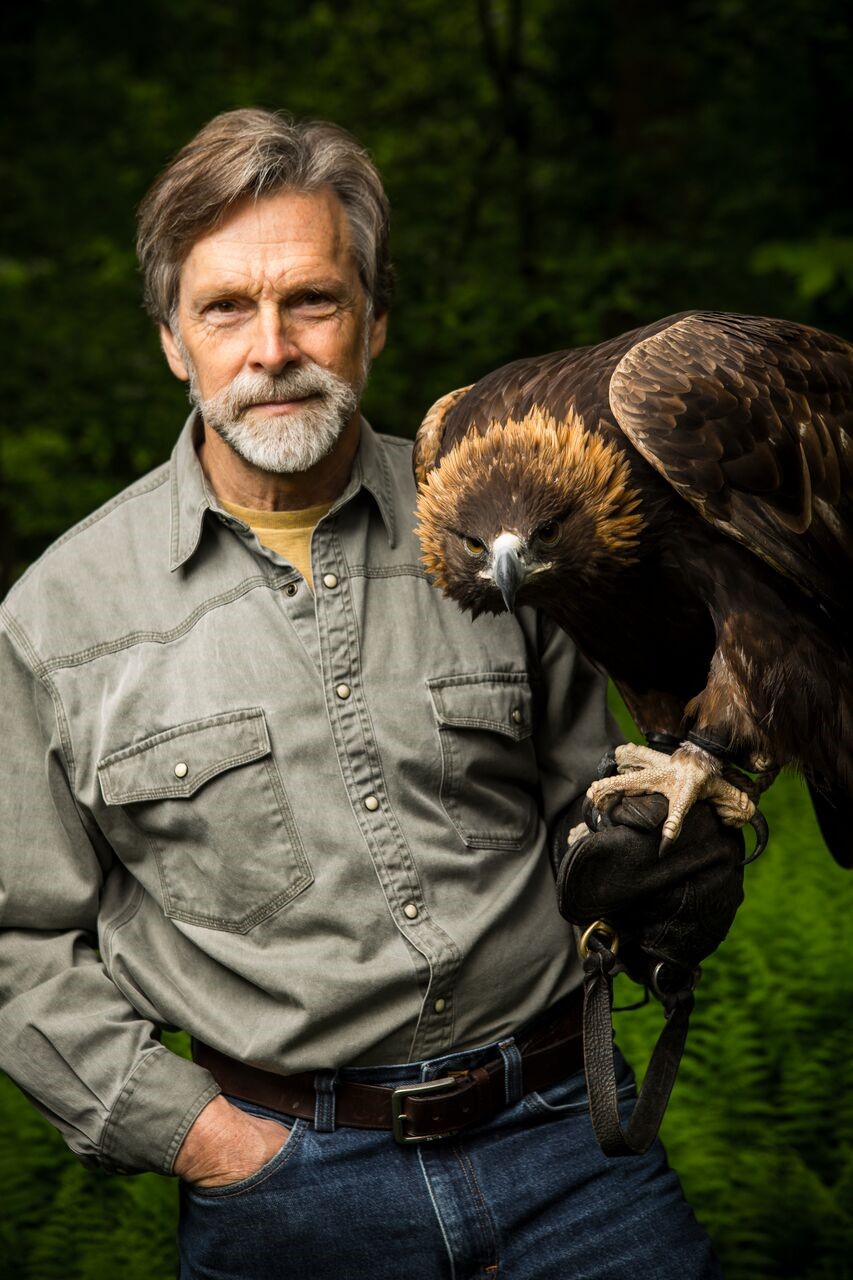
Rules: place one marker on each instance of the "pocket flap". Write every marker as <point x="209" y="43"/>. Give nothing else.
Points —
<point x="497" y="700"/>
<point x="175" y="763"/>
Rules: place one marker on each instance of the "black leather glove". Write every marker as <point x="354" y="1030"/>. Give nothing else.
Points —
<point x="670" y="910"/>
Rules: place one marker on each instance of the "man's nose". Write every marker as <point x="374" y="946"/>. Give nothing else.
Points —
<point x="274" y="345"/>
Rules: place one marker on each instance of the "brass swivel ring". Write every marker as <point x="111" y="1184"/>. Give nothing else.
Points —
<point x="598" y="926"/>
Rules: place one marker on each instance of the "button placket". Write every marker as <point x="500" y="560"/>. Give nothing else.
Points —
<point x="435" y="954"/>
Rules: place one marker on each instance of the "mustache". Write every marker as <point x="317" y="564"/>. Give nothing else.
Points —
<point x="249" y="389"/>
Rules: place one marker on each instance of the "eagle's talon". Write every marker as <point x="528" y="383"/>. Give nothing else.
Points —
<point x="688" y="775"/>
<point x="671" y="830"/>
<point x="758" y="822"/>
<point x="594" y="817"/>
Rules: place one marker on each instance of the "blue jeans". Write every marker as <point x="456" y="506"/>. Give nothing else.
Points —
<point x="526" y="1195"/>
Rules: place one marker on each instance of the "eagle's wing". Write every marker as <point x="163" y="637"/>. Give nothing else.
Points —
<point x="751" y="420"/>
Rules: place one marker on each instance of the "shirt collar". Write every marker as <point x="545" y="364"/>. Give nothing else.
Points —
<point x="192" y="496"/>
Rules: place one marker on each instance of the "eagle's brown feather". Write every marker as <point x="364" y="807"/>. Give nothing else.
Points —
<point x="431" y="433"/>
<point x="751" y="420"/>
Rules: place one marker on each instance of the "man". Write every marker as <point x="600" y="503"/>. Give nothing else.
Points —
<point x="268" y="786"/>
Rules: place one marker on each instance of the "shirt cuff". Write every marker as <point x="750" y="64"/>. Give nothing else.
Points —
<point x="153" y="1113"/>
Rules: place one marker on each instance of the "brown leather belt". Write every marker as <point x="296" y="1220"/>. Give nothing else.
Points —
<point x="416" y="1111"/>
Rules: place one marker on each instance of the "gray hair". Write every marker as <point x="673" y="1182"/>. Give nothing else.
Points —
<point x="258" y="153"/>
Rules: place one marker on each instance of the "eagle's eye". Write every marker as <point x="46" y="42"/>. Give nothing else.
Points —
<point x="548" y="533"/>
<point x="474" y="546"/>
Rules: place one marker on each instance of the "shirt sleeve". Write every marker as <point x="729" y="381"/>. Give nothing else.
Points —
<point x="68" y="1037"/>
<point x="574" y="726"/>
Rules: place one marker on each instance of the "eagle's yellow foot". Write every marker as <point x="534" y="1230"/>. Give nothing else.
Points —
<point x="688" y="775"/>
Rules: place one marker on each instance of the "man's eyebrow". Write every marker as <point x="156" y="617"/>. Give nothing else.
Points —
<point x="222" y="289"/>
<point x="314" y="284"/>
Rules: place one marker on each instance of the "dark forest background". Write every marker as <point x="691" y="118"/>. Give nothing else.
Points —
<point x="559" y="172"/>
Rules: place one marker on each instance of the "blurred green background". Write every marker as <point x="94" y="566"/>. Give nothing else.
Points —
<point x="559" y="171"/>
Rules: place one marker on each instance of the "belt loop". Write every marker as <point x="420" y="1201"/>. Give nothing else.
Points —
<point x="324" y="1101"/>
<point x="513" y="1078"/>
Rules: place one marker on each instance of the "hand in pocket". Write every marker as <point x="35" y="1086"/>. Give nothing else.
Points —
<point x="225" y="1144"/>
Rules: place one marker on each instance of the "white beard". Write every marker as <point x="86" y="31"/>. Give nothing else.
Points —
<point x="288" y="443"/>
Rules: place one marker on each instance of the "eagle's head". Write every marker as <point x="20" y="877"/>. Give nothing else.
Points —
<point x="525" y="512"/>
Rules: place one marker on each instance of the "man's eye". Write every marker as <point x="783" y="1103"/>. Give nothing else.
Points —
<point x="316" y="302"/>
<point x="224" y="307"/>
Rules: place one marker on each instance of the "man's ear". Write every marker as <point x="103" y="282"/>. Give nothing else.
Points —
<point x="172" y="354"/>
<point x="379" y="333"/>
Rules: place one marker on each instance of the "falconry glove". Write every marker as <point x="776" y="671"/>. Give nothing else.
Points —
<point x="652" y="915"/>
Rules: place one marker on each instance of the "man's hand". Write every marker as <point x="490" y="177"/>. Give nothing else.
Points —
<point x="225" y="1144"/>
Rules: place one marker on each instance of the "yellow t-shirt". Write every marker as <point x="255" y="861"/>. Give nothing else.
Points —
<point x="287" y="532"/>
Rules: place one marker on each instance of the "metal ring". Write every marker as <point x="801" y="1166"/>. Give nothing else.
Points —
<point x="599" y="926"/>
<point x="695" y="975"/>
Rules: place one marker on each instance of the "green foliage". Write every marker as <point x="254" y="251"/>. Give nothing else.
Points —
<point x="559" y="171"/>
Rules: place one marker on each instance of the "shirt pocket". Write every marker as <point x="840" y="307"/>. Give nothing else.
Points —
<point x="209" y="800"/>
<point x="489" y="772"/>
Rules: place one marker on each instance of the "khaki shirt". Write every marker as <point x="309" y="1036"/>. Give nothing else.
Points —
<point x="311" y="831"/>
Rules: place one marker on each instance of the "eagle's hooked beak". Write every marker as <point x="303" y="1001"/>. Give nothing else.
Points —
<point x="508" y="568"/>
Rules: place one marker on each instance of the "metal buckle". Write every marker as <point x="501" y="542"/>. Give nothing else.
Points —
<point x="398" y="1117"/>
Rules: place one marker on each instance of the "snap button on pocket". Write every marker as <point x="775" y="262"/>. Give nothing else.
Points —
<point x="222" y="832"/>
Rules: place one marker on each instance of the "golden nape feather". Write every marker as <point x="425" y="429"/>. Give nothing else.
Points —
<point x="680" y="500"/>
<point x="429" y="433"/>
<point x="561" y="462"/>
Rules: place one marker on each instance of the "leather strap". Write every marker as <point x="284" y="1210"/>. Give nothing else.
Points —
<point x="547" y="1057"/>
<point x="599" y="1064"/>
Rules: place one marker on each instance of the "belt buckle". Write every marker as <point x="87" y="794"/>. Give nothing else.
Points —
<point x="398" y="1097"/>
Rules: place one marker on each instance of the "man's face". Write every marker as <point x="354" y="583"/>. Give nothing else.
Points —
<point x="273" y="330"/>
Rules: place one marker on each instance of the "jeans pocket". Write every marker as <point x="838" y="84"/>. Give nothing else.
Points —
<point x="569" y="1096"/>
<point x="270" y="1168"/>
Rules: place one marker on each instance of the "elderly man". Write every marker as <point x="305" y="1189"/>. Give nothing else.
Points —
<point x="266" y="785"/>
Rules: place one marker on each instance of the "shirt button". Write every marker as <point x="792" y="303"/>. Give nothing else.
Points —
<point x="410" y="911"/>
<point x="291" y="589"/>
<point x="440" y="1005"/>
<point x="343" y="690"/>
<point x="517" y="717"/>
<point x="181" y="770"/>
<point x="329" y="580"/>
<point x="371" y="803"/>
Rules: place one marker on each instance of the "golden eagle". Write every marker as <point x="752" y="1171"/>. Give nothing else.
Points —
<point x="679" y="500"/>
